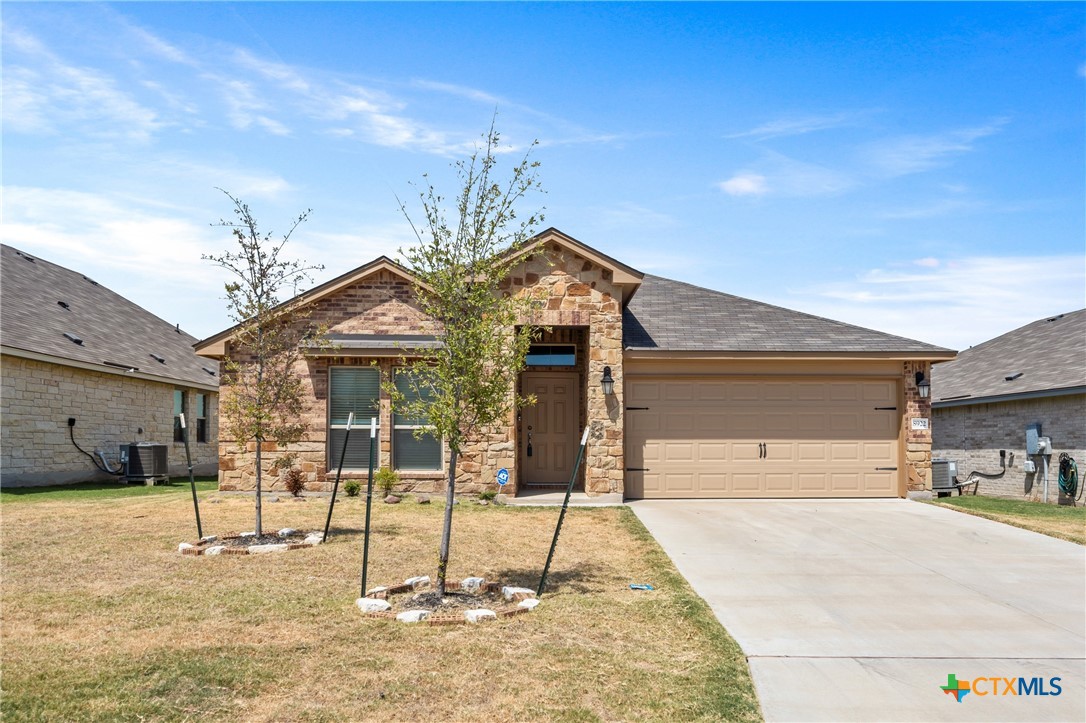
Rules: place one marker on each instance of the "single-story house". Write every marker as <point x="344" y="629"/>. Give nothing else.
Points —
<point x="713" y="395"/>
<point x="71" y="349"/>
<point x="985" y="402"/>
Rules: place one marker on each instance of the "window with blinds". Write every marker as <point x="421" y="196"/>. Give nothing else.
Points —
<point x="178" y="410"/>
<point x="358" y="390"/>
<point x="408" y="451"/>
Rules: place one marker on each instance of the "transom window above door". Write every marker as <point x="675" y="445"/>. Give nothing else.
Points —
<point x="551" y="355"/>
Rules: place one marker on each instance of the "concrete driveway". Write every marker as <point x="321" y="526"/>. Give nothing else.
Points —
<point x="858" y="610"/>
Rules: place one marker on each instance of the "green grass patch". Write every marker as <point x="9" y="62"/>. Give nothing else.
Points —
<point x="1066" y="523"/>
<point x="103" y="490"/>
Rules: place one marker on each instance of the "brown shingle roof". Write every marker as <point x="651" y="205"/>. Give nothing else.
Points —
<point x="1044" y="356"/>
<point x="114" y="331"/>
<point x="669" y="315"/>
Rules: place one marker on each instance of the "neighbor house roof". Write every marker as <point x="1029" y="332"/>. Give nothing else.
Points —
<point x="53" y="314"/>
<point x="1045" y="358"/>
<point x="672" y="316"/>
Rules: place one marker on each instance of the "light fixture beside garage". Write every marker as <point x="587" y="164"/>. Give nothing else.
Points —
<point x="923" y="386"/>
<point x="607" y="382"/>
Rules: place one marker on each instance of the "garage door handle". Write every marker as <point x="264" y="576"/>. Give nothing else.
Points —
<point x="886" y="469"/>
<point x="885" y="409"/>
<point x="637" y="469"/>
<point x="637" y="409"/>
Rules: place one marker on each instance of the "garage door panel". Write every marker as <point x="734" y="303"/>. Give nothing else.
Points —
<point x="774" y="439"/>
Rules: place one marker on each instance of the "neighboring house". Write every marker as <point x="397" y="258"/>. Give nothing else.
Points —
<point x="714" y="395"/>
<point x="984" y="400"/>
<point x="72" y="349"/>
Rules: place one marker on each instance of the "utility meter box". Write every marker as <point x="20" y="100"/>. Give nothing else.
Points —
<point x="1033" y="437"/>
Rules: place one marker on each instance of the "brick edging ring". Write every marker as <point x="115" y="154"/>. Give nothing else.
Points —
<point x="523" y="601"/>
<point x="206" y="545"/>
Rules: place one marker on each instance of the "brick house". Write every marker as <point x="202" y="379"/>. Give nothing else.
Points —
<point x="984" y="400"/>
<point x="72" y="349"/>
<point x="713" y="395"/>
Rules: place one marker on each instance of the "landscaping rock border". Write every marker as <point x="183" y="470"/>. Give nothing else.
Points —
<point x="292" y="540"/>
<point x="375" y="603"/>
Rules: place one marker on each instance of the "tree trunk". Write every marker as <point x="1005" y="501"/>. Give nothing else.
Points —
<point x="446" y="531"/>
<point x="258" y="531"/>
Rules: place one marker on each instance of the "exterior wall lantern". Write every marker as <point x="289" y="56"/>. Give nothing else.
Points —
<point x="607" y="382"/>
<point x="923" y="386"/>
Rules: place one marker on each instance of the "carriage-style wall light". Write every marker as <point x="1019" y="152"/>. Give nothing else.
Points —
<point x="923" y="386"/>
<point x="607" y="382"/>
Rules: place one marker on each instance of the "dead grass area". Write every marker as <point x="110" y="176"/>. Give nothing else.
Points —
<point x="103" y="620"/>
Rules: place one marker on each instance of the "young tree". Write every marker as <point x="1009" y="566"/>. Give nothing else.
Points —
<point x="466" y="384"/>
<point x="263" y="394"/>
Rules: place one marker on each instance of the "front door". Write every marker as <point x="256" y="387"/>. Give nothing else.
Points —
<point x="548" y="429"/>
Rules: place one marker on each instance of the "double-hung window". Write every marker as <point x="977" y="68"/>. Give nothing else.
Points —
<point x="201" y="418"/>
<point x="358" y="390"/>
<point x="411" y="452"/>
<point x="178" y="410"/>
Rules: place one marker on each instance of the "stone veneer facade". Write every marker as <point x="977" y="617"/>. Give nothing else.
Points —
<point x="110" y="410"/>
<point x="917" y="441"/>
<point x="570" y="291"/>
<point x="579" y="300"/>
<point x="973" y="434"/>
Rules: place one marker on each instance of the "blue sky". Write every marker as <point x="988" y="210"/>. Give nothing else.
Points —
<point x="914" y="168"/>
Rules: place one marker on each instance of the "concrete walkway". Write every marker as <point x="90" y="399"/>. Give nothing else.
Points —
<point x="858" y="610"/>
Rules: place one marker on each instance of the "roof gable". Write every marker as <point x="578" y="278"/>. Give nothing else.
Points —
<point x="215" y="345"/>
<point x="621" y="273"/>
<point x="1046" y="355"/>
<point x="46" y="310"/>
<point x="673" y="316"/>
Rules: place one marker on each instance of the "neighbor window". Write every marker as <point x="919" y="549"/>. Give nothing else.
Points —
<point x="408" y="451"/>
<point x="178" y="410"/>
<point x="551" y="355"/>
<point x="201" y="418"/>
<point x="358" y="390"/>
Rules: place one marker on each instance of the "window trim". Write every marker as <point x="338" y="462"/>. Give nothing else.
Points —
<point x="202" y="421"/>
<point x="401" y="427"/>
<point x="178" y="432"/>
<point x="332" y="456"/>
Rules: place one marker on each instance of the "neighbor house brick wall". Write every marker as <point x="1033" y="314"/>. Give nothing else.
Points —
<point x="973" y="434"/>
<point x="110" y="409"/>
<point x="917" y="441"/>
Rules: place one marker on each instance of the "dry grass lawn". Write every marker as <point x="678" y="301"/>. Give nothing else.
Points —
<point x="103" y="620"/>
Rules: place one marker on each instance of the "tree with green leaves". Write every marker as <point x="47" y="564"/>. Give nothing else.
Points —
<point x="466" y="384"/>
<point x="262" y="397"/>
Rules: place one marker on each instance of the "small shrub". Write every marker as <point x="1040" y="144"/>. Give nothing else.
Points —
<point x="294" y="481"/>
<point x="488" y="495"/>
<point x="352" y="487"/>
<point x="386" y="479"/>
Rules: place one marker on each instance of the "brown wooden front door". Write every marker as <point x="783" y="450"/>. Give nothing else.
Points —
<point x="548" y="429"/>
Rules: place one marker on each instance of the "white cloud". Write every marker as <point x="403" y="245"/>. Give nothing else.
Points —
<point x="905" y="155"/>
<point x="955" y="303"/>
<point x="43" y="94"/>
<point x="800" y="125"/>
<point x="745" y="184"/>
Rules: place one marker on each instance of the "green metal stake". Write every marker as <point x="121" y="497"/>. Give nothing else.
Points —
<point x="339" y="471"/>
<point x="562" y="516"/>
<point x="192" y="480"/>
<point x="369" y="504"/>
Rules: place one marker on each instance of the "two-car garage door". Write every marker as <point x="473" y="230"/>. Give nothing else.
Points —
<point x="736" y="437"/>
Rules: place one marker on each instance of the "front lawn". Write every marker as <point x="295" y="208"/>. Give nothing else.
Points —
<point x="1066" y="523"/>
<point x="103" y="620"/>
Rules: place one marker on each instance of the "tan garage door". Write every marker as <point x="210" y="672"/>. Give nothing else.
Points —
<point x="761" y="438"/>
